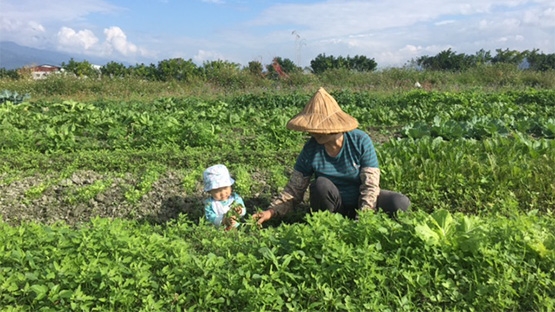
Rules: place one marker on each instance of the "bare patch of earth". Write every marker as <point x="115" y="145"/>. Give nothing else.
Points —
<point x="165" y="201"/>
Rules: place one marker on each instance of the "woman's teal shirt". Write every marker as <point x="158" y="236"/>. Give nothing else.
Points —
<point x="344" y="169"/>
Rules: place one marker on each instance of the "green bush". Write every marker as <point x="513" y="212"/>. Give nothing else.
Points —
<point x="422" y="262"/>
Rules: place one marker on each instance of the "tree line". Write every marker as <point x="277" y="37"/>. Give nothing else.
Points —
<point x="186" y="70"/>
<point x="452" y="61"/>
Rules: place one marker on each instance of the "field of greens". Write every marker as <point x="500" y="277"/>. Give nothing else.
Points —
<point x="100" y="206"/>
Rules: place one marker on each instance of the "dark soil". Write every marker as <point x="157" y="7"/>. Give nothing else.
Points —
<point x="164" y="202"/>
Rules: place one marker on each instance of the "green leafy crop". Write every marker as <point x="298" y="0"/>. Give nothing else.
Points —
<point x="13" y="97"/>
<point x="476" y="165"/>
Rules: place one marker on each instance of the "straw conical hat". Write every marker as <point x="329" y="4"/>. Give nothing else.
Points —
<point x="323" y="115"/>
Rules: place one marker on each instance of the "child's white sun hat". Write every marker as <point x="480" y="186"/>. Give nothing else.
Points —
<point x="215" y="177"/>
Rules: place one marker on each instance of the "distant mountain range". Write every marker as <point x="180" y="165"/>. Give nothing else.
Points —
<point x="13" y="56"/>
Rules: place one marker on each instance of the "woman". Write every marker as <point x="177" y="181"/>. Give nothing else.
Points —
<point x="343" y="161"/>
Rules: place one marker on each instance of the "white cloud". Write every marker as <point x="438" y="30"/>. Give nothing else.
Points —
<point x="508" y="39"/>
<point x="444" y="22"/>
<point x="540" y="17"/>
<point x="484" y="24"/>
<point x="511" y="23"/>
<point x="53" y="24"/>
<point x="48" y="11"/>
<point x="403" y="30"/>
<point x="23" y="32"/>
<point x="115" y="44"/>
<point x="117" y="40"/>
<point x="411" y="49"/>
<point x="359" y="36"/>
<point x="36" y="27"/>
<point x="69" y="39"/>
<point x="203" y="56"/>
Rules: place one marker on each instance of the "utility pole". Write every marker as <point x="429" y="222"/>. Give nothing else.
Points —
<point x="299" y="42"/>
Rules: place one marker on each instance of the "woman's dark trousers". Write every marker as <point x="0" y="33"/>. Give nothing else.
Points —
<point x="324" y="195"/>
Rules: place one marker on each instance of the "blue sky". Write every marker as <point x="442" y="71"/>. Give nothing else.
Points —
<point x="391" y="32"/>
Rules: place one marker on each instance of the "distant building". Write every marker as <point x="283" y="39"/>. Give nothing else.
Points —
<point x="42" y="71"/>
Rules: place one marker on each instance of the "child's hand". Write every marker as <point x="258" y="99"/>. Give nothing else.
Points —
<point x="230" y="223"/>
<point x="238" y="209"/>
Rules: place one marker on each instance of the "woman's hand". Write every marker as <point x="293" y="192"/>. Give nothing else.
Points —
<point x="263" y="216"/>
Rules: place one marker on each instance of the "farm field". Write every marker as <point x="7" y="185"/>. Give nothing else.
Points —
<point x="100" y="206"/>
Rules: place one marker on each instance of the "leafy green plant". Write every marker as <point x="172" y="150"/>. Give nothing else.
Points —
<point x="192" y="180"/>
<point x="88" y="192"/>
<point x="13" y="97"/>
<point x="149" y="177"/>
<point x="479" y="233"/>
<point x="36" y="191"/>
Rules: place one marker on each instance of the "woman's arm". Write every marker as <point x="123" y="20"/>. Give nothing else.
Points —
<point x="292" y="193"/>
<point x="369" y="188"/>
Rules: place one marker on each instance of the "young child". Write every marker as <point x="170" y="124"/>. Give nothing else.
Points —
<point x="224" y="206"/>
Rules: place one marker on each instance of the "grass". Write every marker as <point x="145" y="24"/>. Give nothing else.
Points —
<point x="384" y="82"/>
